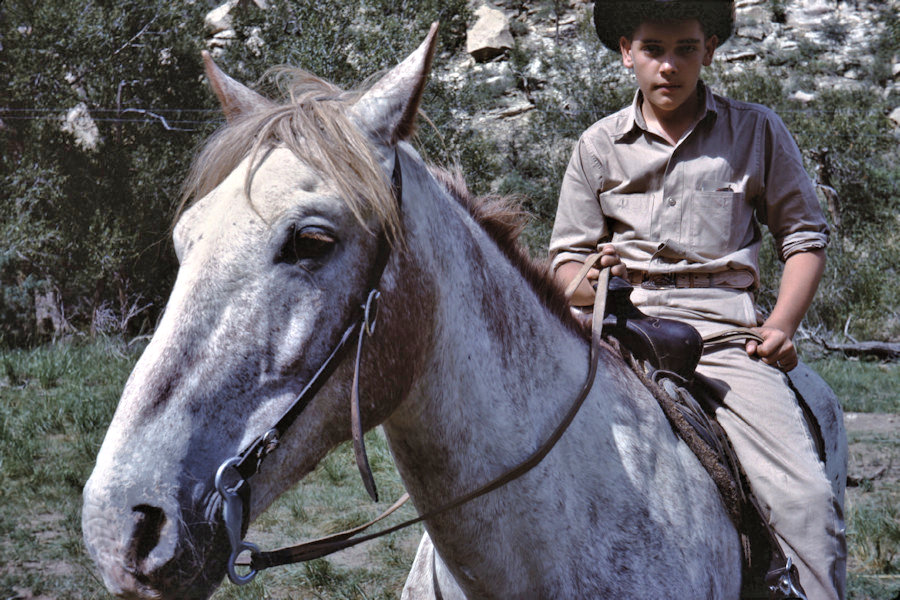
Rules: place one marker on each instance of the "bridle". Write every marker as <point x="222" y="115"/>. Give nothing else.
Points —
<point x="232" y="477"/>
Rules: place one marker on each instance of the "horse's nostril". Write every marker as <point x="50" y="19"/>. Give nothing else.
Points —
<point x="148" y="524"/>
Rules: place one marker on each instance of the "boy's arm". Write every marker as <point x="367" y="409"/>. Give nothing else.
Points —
<point x="802" y="273"/>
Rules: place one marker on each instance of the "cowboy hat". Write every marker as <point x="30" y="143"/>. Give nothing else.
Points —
<point x="616" y="18"/>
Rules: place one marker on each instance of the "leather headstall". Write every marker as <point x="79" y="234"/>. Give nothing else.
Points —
<point x="233" y="476"/>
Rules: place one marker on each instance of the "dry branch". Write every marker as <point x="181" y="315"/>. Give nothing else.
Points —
<point x="883" y="350"/>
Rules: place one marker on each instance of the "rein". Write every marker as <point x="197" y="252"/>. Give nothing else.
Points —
<point x="235" y="491"/>
<point x="339" y="541"/>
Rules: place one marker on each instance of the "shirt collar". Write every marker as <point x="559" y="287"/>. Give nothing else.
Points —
<point x="635" y="120"/>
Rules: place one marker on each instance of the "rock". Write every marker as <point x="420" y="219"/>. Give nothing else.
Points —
<point x="740" y="56"/>
<point x="221" y="39"/>
<point x="48" y="314"/>
<point x="496" y="77"/>
<point x="219" y="18"/>
<point x="490" y="36"/>
<point x="165" y="56"/>
<point x="804" y="97"/>
<point x="79" y="123"/>
<point x="895" y="116"/>
<point x="255" y="41"/>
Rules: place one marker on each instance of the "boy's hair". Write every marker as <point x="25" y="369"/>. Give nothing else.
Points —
<point x="616" y="18"/>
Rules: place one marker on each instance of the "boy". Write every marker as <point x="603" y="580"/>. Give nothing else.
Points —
<point x="677" y="183"/>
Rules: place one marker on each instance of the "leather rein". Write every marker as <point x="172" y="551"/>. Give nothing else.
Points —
<point x="232" y="477"/>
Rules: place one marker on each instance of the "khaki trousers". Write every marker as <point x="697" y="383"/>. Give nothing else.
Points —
<point x="764" y="421"/>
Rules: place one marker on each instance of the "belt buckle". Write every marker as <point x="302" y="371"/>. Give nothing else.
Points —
<point x="660" y="281"/>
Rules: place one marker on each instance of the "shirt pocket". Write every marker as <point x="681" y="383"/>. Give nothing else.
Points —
<point x="629" y="216"/>
<point x="717" y="222"/>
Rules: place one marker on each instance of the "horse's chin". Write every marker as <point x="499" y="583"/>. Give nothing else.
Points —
<point x="164" y="584"/>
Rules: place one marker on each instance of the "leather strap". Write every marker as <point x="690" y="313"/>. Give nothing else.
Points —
<point x="329" y="545"/>
<point x="251" y="458"/>
<point x="589" y="262"/>
<point x="356" y="428"/>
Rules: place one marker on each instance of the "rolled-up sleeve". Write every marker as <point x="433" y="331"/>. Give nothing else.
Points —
<point x="790" y="207"/>
<point x="580" y="223"/>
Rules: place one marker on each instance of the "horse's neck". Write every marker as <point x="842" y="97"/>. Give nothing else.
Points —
<point x="501" y="372"/>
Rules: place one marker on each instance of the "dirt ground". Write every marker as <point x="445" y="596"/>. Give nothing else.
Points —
<point x="874" y="440"/>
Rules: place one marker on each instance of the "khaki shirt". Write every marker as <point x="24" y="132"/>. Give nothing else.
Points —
<point x="692" y="208"/>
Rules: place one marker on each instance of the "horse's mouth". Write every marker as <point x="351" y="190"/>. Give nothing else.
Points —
<point x="154" y="557"/>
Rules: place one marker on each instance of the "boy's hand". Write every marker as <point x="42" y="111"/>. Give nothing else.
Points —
<point x="777" y="349"/>
<point x="584" y="294"/>
<point x="610" y="258"/>
<point x="802" y="272"/>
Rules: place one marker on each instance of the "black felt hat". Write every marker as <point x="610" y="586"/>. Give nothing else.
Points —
<point x="616" y="18"/>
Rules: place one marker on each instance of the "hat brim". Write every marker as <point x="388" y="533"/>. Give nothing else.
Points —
<point x="614" y="19"/>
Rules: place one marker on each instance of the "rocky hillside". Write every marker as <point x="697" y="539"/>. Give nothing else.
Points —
<point x="769" y="35"/>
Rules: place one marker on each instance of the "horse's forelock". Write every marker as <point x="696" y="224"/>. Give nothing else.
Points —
<point x="314" y="122"/>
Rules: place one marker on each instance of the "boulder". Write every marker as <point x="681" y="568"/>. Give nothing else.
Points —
<point x="803" y="97"/>
<point x="490" y="36"/>
<point x="219" y="18"/>
<point x="895" y="116"/>
<point x="79" y="123"/>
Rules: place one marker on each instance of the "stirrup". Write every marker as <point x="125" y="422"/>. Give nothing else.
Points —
<point x="784" y="583"/>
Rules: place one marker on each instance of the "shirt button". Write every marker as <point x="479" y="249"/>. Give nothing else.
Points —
<point x="671" y="201"/>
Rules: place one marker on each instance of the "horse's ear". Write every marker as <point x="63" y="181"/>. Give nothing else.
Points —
<point x="236" y="98"/>
<point x="388" y="110"/>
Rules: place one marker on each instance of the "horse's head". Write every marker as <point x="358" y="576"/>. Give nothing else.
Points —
<point x="276" y="256"/>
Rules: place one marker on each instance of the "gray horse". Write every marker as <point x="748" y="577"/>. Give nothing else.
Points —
<point x="474" y="362"/>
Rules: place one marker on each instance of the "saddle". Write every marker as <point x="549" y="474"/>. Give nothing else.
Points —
<point x="664" y="354"/>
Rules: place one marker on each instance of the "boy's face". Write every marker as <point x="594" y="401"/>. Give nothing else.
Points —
<point x="666" y="58"/>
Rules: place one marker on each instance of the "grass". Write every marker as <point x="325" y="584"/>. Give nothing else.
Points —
<point x="56" y="402"/>
<point x="862" y="385"/>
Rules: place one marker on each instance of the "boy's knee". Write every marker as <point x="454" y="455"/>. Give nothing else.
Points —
<point x="808" y="500"/>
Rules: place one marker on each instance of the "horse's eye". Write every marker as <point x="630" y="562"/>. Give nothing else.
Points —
<point x="305" y="243"/>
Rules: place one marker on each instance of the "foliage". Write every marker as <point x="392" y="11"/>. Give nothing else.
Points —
<point x="92" y="224"/>
<point x="90" y="218"/>
<point x="342" y="42"/>
<point x="91" y="221"/>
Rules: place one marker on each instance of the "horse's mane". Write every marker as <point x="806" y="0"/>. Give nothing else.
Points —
<point x="313" y="123"/>
<point x="503" y="219"/>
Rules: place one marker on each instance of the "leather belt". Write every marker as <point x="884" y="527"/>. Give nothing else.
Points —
<point x="661" y="281"/>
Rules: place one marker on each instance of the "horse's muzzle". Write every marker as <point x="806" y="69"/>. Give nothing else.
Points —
<point x="137" y="547"/>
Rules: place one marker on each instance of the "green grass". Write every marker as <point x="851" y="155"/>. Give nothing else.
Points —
<point x="873" y="540"/>
<point x="57" y="400"/>
<point x="861" y="385"/>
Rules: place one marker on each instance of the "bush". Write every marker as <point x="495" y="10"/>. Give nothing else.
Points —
<point x="89" y="219"/>
<point x="88" y="216"/>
